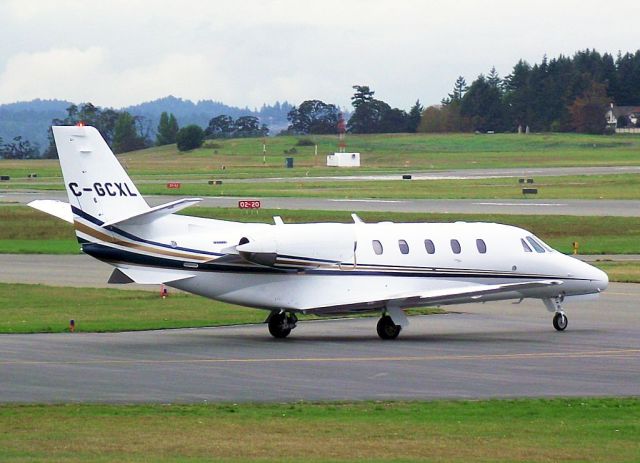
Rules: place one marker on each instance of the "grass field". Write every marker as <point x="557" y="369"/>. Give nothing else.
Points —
<point x="379" y="153"/>
<point x="26" y="308"/>
<point x="24" y="230"/>
<point x="622" y="186"/>
<point x="616" y="186"/>
<point x="534" y="430"/>
<point x="38" y="308"/>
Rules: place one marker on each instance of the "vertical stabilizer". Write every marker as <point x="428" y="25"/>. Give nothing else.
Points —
<point x="95" y="181"/>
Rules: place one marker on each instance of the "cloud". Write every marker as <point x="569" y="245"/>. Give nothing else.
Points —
<point x="123" y="52"/>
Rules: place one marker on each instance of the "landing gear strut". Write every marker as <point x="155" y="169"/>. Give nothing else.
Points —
<point x="281" y="324"/>
<point x="387" y="329"/>
<point x="560" y="320"/>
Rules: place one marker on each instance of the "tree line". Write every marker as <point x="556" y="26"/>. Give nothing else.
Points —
<point x="564" y="94"/>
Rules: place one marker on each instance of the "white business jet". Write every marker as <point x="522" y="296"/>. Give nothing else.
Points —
<point x="318" y="268"/>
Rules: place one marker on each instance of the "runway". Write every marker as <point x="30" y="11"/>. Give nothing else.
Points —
<point x="530" y="206"/>
<point x="490" y="350"/>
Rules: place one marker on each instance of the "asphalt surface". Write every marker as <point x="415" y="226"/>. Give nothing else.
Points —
<point x="530" y="206"/>
<point x="486" y="350"/>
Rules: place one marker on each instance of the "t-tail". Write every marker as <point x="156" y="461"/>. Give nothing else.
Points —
<point x="98" y="187"/>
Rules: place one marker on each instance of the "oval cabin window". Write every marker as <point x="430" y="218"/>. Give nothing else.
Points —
<point x="404" y="247"/>
<point x="482" y="246"/>
<point x="429" y="246"/>
<point x="377" y="247"/>
<point x="455" y="246"/>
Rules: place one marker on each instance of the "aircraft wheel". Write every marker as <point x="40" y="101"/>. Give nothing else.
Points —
<point x="560" y="321"/>
<point x="387" y="329"/>
<point x="280" y="325"/>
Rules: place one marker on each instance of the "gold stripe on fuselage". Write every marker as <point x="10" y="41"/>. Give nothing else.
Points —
<point x="140" y="247"/>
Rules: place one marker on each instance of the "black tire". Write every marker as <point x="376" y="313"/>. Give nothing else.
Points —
<point x="387" y="329"/>
<point x="560" y="321"/>
<point x="279" y="326"/>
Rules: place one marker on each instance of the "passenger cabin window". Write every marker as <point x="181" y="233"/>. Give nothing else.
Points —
<point x="455" y="246"/>
<point x="404" y="247"/>
<point x="429" y="246"/>
<point x="535" y="244"/>
<point x="525" y="246"/>
<point x="482" y="246"/>
<point x="377" y="247"/>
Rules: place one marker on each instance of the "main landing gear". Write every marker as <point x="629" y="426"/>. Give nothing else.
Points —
<point x="560" y="320"/>
<point x="387" y="329"/>
<point x="281" y="323"/>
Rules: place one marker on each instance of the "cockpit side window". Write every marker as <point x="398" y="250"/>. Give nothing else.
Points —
<point x="535" y="244"/>
<point x="525" y="246"/>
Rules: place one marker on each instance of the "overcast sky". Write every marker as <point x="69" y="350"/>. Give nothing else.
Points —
<point x="121" y="52"/>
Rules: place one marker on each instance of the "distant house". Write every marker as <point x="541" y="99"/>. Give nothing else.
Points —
<point x="622" y="118"/>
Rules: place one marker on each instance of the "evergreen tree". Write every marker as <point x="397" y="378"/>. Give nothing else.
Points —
<point x="125" y="135"/>
<point x="459" y="89"/>
<point x="415" y="115"/>
<point x="167" y="129"/>
<point x="482" y="105"/>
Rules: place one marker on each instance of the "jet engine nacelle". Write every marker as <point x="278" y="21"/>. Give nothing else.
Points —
<point x="301" y="246"/>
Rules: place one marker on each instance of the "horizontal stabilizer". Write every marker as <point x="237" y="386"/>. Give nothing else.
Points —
<point x="58" y="209"/>
<point x="146" y="276"/>
<point x="154" y="213"/>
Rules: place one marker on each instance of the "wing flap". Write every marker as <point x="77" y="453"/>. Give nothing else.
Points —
<point x="433" y="297"/>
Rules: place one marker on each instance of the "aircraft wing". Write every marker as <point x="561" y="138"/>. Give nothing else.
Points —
<point x="445" y="296"/>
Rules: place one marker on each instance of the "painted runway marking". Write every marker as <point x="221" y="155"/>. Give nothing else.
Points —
<point x="521" y="204"/>
<point x="364" y="201"/>
<point x="618" y="353"/>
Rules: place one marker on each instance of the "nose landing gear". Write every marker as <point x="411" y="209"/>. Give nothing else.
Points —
<point x="560" y="320"/>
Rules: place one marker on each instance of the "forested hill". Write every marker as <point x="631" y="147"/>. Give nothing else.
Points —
<point x="31" y="119"/>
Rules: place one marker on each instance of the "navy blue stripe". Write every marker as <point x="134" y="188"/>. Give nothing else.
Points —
<point x="132" y="237"/>
<point x="108" y="253"/>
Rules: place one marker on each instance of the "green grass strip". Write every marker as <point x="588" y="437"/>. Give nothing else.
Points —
<point x="528" y="430"/>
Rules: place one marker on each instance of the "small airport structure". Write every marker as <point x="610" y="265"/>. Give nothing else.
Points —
<point x="343" y="160"/>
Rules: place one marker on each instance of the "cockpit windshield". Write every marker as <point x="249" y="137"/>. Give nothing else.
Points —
<point x="538" y="245"/>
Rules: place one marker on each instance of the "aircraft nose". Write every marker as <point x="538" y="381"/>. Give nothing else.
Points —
<point x="599" y="278"/>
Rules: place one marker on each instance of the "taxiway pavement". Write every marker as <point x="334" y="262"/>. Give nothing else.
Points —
<point x="530" y="206"/>
<point x="485" y="350"/>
